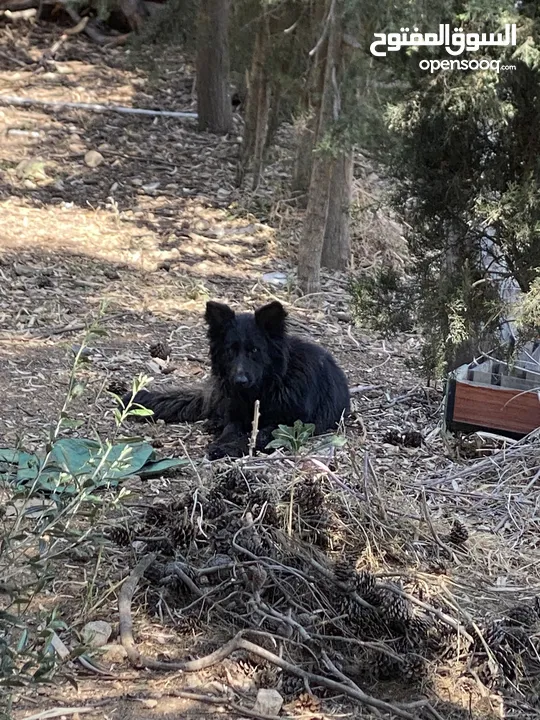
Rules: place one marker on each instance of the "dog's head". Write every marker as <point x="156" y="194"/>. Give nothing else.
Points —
<point x="246" y="347"/>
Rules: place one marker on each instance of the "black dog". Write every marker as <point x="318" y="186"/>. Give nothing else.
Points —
<point x="253" y="357"/>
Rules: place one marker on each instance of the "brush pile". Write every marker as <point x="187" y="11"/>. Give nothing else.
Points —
<point x="344" y="582"/>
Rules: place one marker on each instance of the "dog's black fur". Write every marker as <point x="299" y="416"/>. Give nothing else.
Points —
<point x="253" y="357"/>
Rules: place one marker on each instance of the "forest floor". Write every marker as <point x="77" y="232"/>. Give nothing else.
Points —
<point x="154" y="230"/>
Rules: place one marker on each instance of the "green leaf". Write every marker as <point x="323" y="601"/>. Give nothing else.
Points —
<point x="140" y="411"/>
<point x="276" y="444"/>
<point x="152" y="469"/>
<point x="77" y="465"/>
<point x="9" y="455"/>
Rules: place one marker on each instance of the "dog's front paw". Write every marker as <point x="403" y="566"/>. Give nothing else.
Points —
<point x="219" y="450"/>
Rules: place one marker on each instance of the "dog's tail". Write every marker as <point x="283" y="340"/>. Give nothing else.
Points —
<point x="180" y="405"/>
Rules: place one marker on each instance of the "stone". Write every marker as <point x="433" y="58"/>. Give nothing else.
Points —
<point x="93" y="158"/>
<point x="96" y="633"/>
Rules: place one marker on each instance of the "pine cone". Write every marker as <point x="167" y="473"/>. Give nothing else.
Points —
<point x="117" y="387"/>
<point x="392" y="437"/>
<point x="44" y="281"/>
<point x="412" y="438"/>
<point x="233" y="486"/>
<point x="156" y="515"/>
<point x="120" y="535"/>
<point x="364" y="584"/>
<point x="291" y="685"/>
<point x="215" y="506"/>
<point x="367" y="621"/>
<point x="160" y="350"/>
<point x="413" y="667"/>
<point x="181" y="533"/>
<point x="226" y="528"/>
<point x="306" y="703"/>
<point x="496" y="638"/>
<point x="458" y="534"/>
<point x="271" y="517"/>
<point x="386" y="667"/>
<point x="392" y="605"/>
<point x="155" y="573"/>
<point x="418" y="628"/>
<point x="267" y="676"/>
<point x="309" y="496"/>
<point x="523" y="615"/>
<point x="187" y="625"/>
<point x="408" y="438"/>
<point x="255" y="578"/>
<point x="344" y="573"/>
<point x="223" y="562"/>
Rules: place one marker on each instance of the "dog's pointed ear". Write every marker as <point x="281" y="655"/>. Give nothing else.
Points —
<point x="271" y="318"/>
<point x="218" y="315"/>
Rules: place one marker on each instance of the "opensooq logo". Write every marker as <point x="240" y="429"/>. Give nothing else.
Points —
<point x="455" y="43"/>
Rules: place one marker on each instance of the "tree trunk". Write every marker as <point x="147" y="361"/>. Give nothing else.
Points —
<point x="337" y="234"/>
<point x="307" y="126"/>
<point x="274" y="117"/>
<point x="135" y="12"/>
<point x="257" y="106"/>
<point x="312" y="240"/>
<point x="213" y="95"/>
<point x="303" y="162"/>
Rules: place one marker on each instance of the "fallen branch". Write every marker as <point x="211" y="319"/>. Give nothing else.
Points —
<point x="214" y="700"/>
<point x="254" y="428"/>
<point x="124" y="608"/>
<point x="237" y="643"/>
<point x="88" y="28"/>
<point x="59" y="711"/>
<point x="91" y="107"/>
<point x="363" y="388"/>
<point x="13" y="6"/>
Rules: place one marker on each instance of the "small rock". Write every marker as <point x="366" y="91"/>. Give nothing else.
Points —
<point x="275" y="278"/>
<point x="96" y="633"/>
<point x="149" y="703"/>
<point x="113" y="653"/>
<point x="269" y="702"/>
<point x="44" y="281"/>
<point x="111" y="273"/>
<point x="136" y="181"/>
<point x="93" y="158"/>
<point x="84" y="352"/>
<point x="31" y="168"/>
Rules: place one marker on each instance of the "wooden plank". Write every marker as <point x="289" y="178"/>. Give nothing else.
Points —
<point x="496" y="408"/>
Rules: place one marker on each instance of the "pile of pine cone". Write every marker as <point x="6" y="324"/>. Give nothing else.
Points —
<point x="247" y="542"/>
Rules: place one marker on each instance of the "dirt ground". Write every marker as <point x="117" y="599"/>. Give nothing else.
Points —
<point x="142" y="241"/>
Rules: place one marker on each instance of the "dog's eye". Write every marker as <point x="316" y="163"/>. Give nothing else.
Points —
<point x="253" y="351"/>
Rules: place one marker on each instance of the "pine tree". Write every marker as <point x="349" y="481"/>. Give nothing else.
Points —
<point x="465" y="152"/>
<point x="213" y="95"/>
